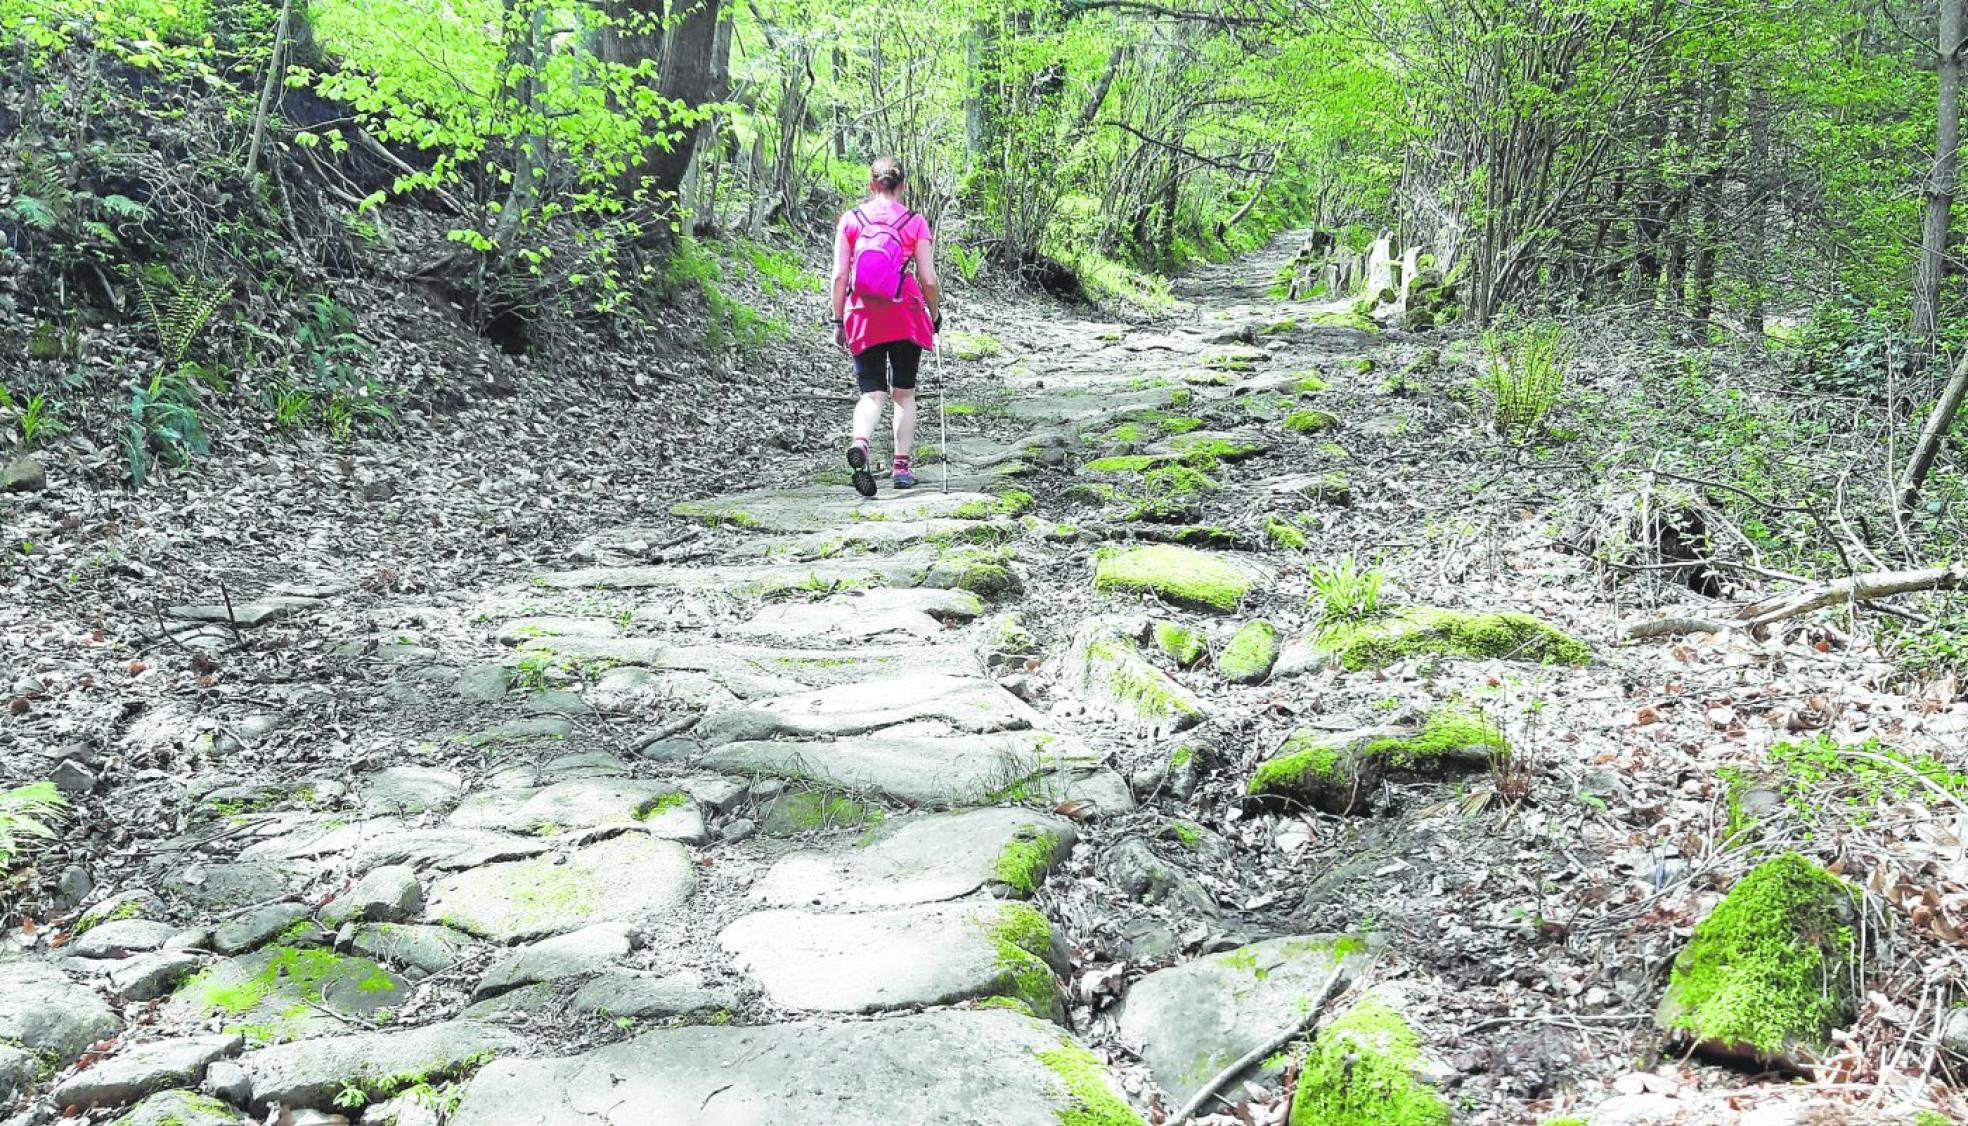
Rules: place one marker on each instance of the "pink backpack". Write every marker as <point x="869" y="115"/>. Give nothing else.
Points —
<point x="881" y="261"/>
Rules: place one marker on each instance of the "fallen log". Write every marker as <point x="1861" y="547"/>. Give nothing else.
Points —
<point x="1756" y="617"/>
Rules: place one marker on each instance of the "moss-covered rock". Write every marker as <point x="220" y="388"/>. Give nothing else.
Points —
<point x="1356" y="321"/>
<point x="1251" y="653"/>
<point x="981" y="571"/>
<point x="1284" y="534"/>
<point x="1340" y="773"/>
<point x="1024" y="861"/>
<point x="1311" y="385"/>
<point x="1363" y="1071"/>
<point x="1423" y="631"/>
<point x="972" y="345"/>
<point x="285" y="993"/>
<point x="1310" y="422"/>
<point x="1181" y="575"/>
<point x="1183" y="645"/>
<point x="1105" y="669"/>
<point x="1089" y="1087"/>
<point x="1769" y="974"/>
<point x="1205" y="449"/>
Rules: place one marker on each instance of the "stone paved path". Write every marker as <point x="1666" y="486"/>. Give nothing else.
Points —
<point x="758" y="837"/>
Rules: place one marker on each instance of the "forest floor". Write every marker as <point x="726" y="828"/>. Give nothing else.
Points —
<point x="553" y="768"/>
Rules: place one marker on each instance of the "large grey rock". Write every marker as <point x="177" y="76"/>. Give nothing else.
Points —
<point x="661" y="809"/>
<point x="865" y="615"/>
<point x="425" y="948"/>
<point x="46" y="1013"/>
<point x="967" y="703"/>
<point x="150" y="976"/>
<point x="948" y="1068"/>
<point x="642" y="996"/>
<point x="888" y="959"/>
<point x="122" y="905"/>
<point x="182" y="1108"/>
<point x="620" y="880"/>
<point x="486" y="683"/>
<point x="389" y="894"/>
<point x="233" y="886"/>
<point x="23" y="475"/>
<point x="1105" y="668"/>
<point x="18" y="1070"/>
<point x="1132" y="866"/>
<point x="257" y="927"/>
<point x="924" y="860"/>
<point x="132" y="1073"/>
<point x="313" y="1072"/>
<point x="362" y="846"/>
<point x="555" y="959"/>
<point x="925" y="769"/>
<point x="1190" y="1022"/>
<point x="519" y="631"/>
<point x="120" y="938"/>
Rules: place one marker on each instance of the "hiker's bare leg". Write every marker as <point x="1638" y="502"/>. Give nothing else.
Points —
<point x="905" y="420"/>
<point x="867" y="415"/>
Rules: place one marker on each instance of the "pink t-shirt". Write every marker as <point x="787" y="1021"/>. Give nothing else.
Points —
<point x="882" y="322"/>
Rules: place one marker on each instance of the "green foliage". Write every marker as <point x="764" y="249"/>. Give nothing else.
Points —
<point x="39" y="420"/>
<point x="177" y="310"/>
<point x="26" y="811"/>
<point x="162" y="425"/>
<point x="1523" y="377"/>
<point x="967" y="261"/>
<point x="1814" y="766"/>
<point x="1346" y="593"/>
<point x="1362" y="1071"/>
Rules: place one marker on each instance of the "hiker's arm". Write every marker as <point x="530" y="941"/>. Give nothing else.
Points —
<point x="840" y="270"/>
<point x="926" y="277"/>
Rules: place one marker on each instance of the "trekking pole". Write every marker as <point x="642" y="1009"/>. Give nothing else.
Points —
<point x="942" y="417"/>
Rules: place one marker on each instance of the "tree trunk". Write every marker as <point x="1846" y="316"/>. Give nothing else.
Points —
<point x="1756" y="218"/>
<point x="705" y="148"/>
<point x="1710" y="247"/>
<point x="1940" y="183"/>
<point x="687" y="76"/>
<point x="1938" y="424"/>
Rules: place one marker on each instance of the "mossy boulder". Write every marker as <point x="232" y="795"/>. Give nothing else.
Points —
<point x="1353" y="320"/>
<point x="981" y="571"/>
<point x="1769" y="974"/>
<point x="1366" y="1069"/>
<point x="1105" y="668"/>
<point x="181" y="1108"/>
<point x="1340" y="773"/>
<point x="1310" y="421"/>
<point x="282" y="993"/>
<point x="1423" y="631"/>
<point x="1196" y="579"/>
<point x="1204" y="449"/>
<point x="1183" y="645"/>
<point x="1251" y="653"/>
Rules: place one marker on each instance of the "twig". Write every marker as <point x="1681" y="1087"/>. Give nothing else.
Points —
<point x="1209" y="1089"/>
<point x="668" y="730"/>
<point x="232" y="619"/>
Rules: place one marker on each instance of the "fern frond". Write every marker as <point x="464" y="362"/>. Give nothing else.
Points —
<point x="36" y="213"/>
<point x="123" y="207"/>
<point x="25" y="812"/>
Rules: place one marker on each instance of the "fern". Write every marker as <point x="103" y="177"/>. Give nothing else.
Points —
<point x="178" y="316"/>
<point x="123" y="207"/>
<point x="25" y="812"/>
<point x="36" y="213"/>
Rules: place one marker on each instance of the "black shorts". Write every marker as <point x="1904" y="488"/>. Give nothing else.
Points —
<point x="888" y="365"/>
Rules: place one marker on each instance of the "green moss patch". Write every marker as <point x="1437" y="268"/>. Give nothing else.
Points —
<point x="1011" y="502"/>
<point x="1424" y="631"/>
<point x="1311" y="385"/>
<point x="1181" y="575"/>
<point x="1203" y="450"/>
<point x="283" y="992"/>
<point x="1184" y="646"/>
<point x="1283" y="534"/>
<point x="1085" y="1083"/>
<point x="1448" y="732"/>
<point x="1251" y="653"/>
<point x="1024" y="862"/>
<point x="1356" y="321"/>
<point x="971" y="345"/>
<point x="1116" y="672"/>
<point x="1023" y="941"/>
<point x="1769" y="972"/>
<point x="1126" y="463"/>
<point x="1361" y="1071"/>
<point x="1310" y="422"/>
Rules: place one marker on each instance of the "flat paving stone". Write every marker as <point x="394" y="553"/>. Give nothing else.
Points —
<point x="888" y="959"/>
<point x="288" y="993"/>
<point x="937" y="769"/>
<point x="409" y="790"/>
<point x="822" y="507"/>
<point x="120" y="938"/>
<point x="918" y="612"/>
<point x="967" y="703"/>
<point x="924" y="860"/>
<point x="647" y="996"/>
<point x="902" y="569"/>
<point x="578" y="954"/>
<point x="45" y="1012"/>
<point x="744" y="664"/>
<point x="989" y="1068"/>
<point x="1192" y="1021"/>
<point x="660" y="808"/>
<point x="519" y="631"/>
<point x="246" y="615"/>
<point x="360" y="846"/>
<point x="182" y="1108"/>
<point x="424" y="948"/>
<point x="233" y="886"/>
<point x="619" y="880"/>
<point x="132" y="1073"/>
<point x="313" y="1072"/>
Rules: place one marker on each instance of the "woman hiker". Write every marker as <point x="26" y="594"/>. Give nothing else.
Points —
<point x="882" y="316"/>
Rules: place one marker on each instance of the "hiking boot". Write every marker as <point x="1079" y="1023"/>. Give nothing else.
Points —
<point x="857" y="460"/>
<point x="904" y="477"/>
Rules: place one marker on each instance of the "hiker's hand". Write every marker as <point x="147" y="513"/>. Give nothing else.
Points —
<point x="936" y="321"/>
<point x="840" y="335"/>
